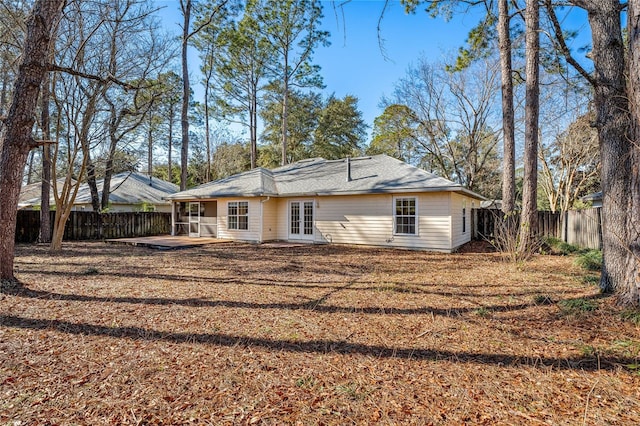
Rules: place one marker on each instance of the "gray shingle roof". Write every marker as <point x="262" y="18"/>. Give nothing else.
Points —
<point x="317" y="176"/>
<point x="127" y="188"/>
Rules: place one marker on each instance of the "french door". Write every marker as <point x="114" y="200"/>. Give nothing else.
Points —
<point x="301" y="220"/>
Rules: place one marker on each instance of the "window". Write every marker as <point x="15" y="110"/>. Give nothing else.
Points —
<point x="464" y="216"/>
<point x="405" y="216"/>
<point x="238" y="215"/>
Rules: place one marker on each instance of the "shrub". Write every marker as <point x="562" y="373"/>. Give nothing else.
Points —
<point x="591" y="280"/>
<point x="590" y="260"/>
<point x="560" y="247"/>
<point x="506" y="240"/>
<point x="577" y="306"/>
<point x="631" y="315"/>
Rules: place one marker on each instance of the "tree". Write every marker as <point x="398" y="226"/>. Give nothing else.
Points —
<point x="341" y="130"/>
<point x="44" y="235"/>
<point x="16" y="138"/>
<point x="230" y="158"/>
<point x="186" y="7"/>
<point x="478" y="44"/>
<point x="240" y="64"/>
<point x="394" y="134"/>
<point x="451" y="119"/>
<point x="304" y="112"/>
<point x="570" y="165"/>
<point x="12" y="32"/>
<point x="614" y="83"/>
<point x="291" y="27"/>
<point x="508" y="115"/>
<point x="529" y="214"/>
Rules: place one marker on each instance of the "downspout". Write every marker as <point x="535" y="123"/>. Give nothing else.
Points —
<point x="260" y="237"/>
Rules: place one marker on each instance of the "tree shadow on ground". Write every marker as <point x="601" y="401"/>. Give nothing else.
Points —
<point x="315" y="305"/>
<point x="343" y="347"/>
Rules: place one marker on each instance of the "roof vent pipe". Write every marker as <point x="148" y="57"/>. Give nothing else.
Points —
<point x="348" y="169"/>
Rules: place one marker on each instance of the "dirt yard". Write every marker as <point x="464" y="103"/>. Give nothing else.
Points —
<point x="243" y="334"/>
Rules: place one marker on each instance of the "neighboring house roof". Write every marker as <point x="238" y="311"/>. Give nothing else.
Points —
<point x="128" y="188"/>
<point x="317" y="176"/>
<point x="596" y="196"/>
<point x="491" y="204"/>
<point x="30" y="194"/>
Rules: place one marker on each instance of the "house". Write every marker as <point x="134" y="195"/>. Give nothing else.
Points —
<point x="130" y="192"/>
<point x="30" y="195"/>
<point x="595" y="199"/>
<point x="375" y="200"/>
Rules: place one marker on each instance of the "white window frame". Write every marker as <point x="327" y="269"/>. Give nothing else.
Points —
<point x="237" y="216"/>
<point x="415" y="216"/>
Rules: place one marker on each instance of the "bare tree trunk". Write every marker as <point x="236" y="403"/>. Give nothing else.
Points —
<point x="45" y="218"/>
<point x="629" y="295"/>
<point x="508" y="126"/>
<point x="32" y="155"/>
<point x="92" y="182"/>
<point x="16" y="139"/>
<point x="184" y="118"/>
<point x="3" y="90"/>
<point x="170" y="148"/>
<point x="253" y="132"/>
<point x="285" y="111"/>
<point x="612" y="121"/>
<point x="207" y="131"/>
<point x="529" y="216"/>
<point x="150" y="151"/>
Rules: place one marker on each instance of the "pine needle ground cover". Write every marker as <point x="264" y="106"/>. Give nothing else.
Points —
<point x="244" y="334"/>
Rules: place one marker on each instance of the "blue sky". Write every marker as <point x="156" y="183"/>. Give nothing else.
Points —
<point x="354" y="63"/>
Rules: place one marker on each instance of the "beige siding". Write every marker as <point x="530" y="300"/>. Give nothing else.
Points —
<point x="252" y="234"/>
<point x="270" y="219"/>
<point x="368" y="219"/>
<point x="459" y="237"/>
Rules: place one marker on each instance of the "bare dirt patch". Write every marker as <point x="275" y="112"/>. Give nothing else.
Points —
<point x="244" y="334"/>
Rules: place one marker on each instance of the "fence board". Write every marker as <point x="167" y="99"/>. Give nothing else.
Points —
<point x="582" y="228"/>
<point x="84" y="225"/>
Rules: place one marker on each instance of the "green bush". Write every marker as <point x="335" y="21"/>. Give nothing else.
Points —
<point x="560" y="247"/>
<point x="590" y="260"/>
<point x="631" y="315"/>
<point x="591" y="280"/>
<point x="577" y="306"/>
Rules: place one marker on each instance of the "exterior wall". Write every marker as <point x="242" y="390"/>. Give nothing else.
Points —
<point x="458" y="202"/>
<point x="361" y="219"/>
<point x="253" y="233"/>
<point x="270" y="219"/>
<point x="368" y="219"/>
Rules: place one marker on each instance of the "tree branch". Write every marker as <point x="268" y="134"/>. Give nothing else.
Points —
<point x="108" y="79"/>
<point x="562" y="44"/>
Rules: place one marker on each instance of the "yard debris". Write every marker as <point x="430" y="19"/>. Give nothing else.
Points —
<point x="248" y="334"/>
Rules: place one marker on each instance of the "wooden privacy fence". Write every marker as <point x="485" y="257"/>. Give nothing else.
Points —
<point x="583" y="228"/>
<point x="578" y="227"/>
<point x="96" y="226"/>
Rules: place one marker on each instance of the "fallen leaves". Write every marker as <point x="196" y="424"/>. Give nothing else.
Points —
<point x="245" y="334"/>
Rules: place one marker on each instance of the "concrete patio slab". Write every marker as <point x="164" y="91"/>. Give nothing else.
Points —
<point x="167" y="241"/>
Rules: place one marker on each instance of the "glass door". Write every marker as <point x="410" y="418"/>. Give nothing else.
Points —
<point x="301" y="220"/>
